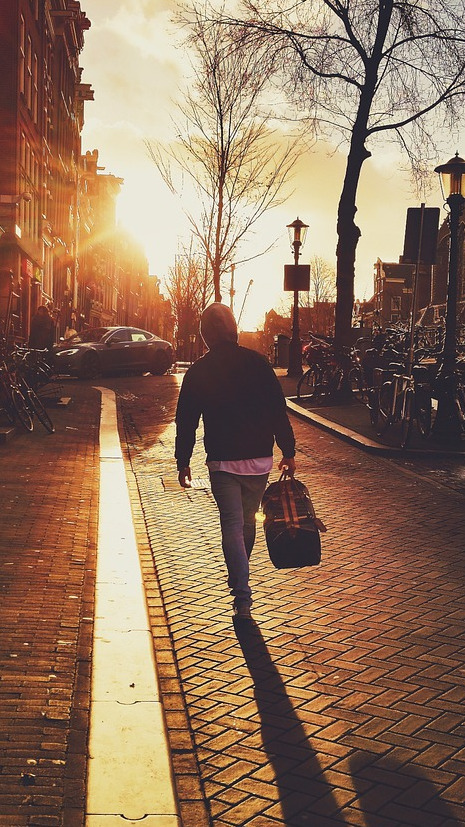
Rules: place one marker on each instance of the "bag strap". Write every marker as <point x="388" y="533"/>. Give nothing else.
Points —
<point x="290" y="512"/>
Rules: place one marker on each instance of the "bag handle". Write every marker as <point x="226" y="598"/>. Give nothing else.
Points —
<point x="291" y="517"/>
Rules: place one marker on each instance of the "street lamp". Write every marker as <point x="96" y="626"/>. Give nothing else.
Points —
<point x="447" y="423"/>
<point x="192" y="339"/>
<point x="297" y="234"/>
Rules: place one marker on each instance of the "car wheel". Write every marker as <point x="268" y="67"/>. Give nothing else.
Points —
<point x="160" y="363"/>
<point x="90" y="367"/>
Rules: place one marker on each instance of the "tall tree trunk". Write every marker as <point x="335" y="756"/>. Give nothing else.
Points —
<point x="348" y="235"/>
<point x="347" y="231"/>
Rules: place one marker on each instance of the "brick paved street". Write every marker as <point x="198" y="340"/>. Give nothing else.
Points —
<point x="344" y="703"/>
<point x="48" y="496"/>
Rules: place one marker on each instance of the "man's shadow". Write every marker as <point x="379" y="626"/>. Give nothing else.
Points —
<point x="304" y="795"/>
<point x="386" y="791"/>
<point x="399" y="793"/>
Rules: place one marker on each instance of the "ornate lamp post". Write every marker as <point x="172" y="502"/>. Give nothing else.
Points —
<point x="297" y="234"/>
<point x="192" y="338"/>
<point x="447" y="425"/>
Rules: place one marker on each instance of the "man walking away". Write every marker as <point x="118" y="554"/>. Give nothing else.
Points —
<point x="240" y="400"/>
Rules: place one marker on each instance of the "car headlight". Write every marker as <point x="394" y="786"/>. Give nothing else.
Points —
<point x="69" y="352"/>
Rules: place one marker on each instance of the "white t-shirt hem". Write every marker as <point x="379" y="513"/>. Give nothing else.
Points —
<point x="246" y="467"/>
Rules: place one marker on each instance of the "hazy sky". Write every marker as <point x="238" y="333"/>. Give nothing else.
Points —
<point x="135" y="65"/>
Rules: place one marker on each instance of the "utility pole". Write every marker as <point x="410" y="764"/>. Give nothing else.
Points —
<point x="243" y="303"/>
<point x="232" y="290"/>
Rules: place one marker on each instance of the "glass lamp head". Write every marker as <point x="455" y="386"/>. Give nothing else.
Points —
<point x="452" y="177"/>
<point x="297" y="233"/>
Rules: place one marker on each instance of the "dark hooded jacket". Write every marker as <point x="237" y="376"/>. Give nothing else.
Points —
<point x="238" y="395"/>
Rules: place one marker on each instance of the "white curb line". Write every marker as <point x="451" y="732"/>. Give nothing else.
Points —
<point x="129" y="769"/>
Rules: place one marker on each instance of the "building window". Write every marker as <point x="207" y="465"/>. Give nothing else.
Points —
<point x="35" y="90"/>
<point x="22" y="55"/>
<point x="396" y="307"/>
<point x="23" y="151"/>
<point x="48" y="270"/>
<point x="28" y="79"/>
<point x="29" y="182"/>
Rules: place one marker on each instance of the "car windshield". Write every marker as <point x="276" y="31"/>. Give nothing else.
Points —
<point x="94" y="334"/>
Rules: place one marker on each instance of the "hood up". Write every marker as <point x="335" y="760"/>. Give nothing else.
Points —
<point x="217" y="325"/>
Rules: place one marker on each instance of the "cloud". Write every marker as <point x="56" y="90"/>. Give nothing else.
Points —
<point x="148" y="34"/>
<point x="133" y="62"/>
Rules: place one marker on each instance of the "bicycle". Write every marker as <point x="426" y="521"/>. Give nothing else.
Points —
<point x="402" y="399"/>
<point x="12" y="399"/>
<point x="455" y="389"/>
<point x="325" y="377"/>
<point x="39" y="370"/>
<point x="33" y="403"/>
<point x="357" y="376"/>
<point x="320" y="381"/>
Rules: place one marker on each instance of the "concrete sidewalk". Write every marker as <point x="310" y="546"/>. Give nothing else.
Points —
<point x="129" y="774"/>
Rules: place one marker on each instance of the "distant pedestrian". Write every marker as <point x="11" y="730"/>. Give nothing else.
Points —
<point x="42" y="332"/>
<point x="240" y="400"/>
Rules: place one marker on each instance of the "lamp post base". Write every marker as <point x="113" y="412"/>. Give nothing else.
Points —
<point x="448" y="424"/>
<point x="295" y="358"/>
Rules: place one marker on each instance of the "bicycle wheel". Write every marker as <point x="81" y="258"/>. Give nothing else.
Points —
<point x="460" y="404"/>
<point x="423" y="411"/>
<point x="6" y="404"/>
<point x="35" y="405"/>
<point x="385" y="407"/>
<point x="22" y="410"/>
<point x="334" y="381"/>
<point x="356" y="383"/>
<point x="373" y="406"/>
<point x="406" y="417"/>
<point x="307" y="383"/>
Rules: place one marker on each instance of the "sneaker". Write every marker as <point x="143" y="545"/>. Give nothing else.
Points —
<point x="242" y="611"/>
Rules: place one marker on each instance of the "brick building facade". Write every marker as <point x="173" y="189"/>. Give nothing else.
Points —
<point x="41" y="111"/>
<point x="59" y="242"/>
<point x="393" y="282"/>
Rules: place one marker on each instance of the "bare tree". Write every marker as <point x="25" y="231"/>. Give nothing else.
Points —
<point x="322" y="282"/>
<point x="359" y="69"/>
<point x="189" y="287"/>
<point x="225" y="145"/>
<point x="321" y="296"/>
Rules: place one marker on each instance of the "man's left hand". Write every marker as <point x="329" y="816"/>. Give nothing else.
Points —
<point x="287" y="463"/>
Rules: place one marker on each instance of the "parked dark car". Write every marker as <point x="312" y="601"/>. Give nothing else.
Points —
<point x="113" y="350"/>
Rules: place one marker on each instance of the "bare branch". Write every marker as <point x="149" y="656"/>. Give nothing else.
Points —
<point x="226" y="147"/>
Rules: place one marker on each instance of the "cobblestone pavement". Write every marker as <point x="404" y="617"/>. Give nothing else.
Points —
<point x="343" y="703"/>
<point x="48" y="500"/>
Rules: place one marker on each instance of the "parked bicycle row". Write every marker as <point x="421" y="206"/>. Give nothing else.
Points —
<point x="27" y="385"/>
<point x="395" y="378"/>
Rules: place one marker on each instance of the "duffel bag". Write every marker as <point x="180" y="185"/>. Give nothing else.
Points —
<point x="292" y="530"/>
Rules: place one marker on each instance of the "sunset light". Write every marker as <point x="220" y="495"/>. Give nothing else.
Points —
<point x="232" y="413"/>
<point x="136" y="66"/>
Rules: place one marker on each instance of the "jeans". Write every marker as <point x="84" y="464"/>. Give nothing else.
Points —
<point x="238" y="499"/>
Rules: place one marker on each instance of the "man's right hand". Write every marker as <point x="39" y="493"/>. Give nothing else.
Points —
<point x="184" y="477"/>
